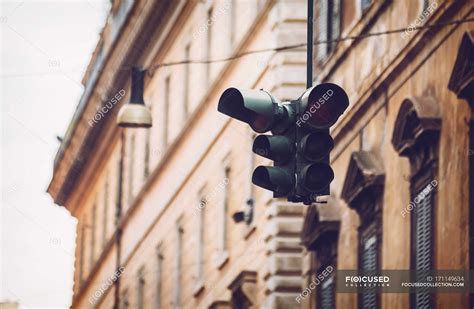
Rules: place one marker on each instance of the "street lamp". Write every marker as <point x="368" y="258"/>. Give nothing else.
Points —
<point x="132" y="115"/>
<point x="135" y="114"/>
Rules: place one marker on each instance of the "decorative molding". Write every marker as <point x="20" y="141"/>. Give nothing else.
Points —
<point x="318" y="232"/>
<point x="220" y="304"/>
<point x="364" y="184"/>
<point x="461" y="81"/>
<point x="244" y="289"/>
<point x="416" y="132"/>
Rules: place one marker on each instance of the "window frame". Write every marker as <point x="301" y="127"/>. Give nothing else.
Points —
<point x="179" y="263"/>
<point x="329" y="49"/>
<point x="159" y="276"/>
<point x="141" y="288"/>
<point x="200" y="237"/>
<point x="105" y="213"/>
<point x="416" y="136"/>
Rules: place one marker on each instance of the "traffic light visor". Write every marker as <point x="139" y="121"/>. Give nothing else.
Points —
<point x="323" y="105"/>
<point x="273" y="178"/>
<point x="254" y="107"/>
<point x="277" y="148"/>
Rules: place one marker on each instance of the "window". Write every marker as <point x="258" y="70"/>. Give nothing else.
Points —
<point x="81" y="258"/>
<point x="243" y="290"/>
<point x="124" y="302"/>
<point x="140" y="288"/>
<point x="320" y="234"/>
<point x="131" y="165"/>
<point x="93" y="230"/>
<point x="461" y="83"/>
<point x="417" y="138"/>
<point x="159" y="274"/>
<point x="224" y="211"/>
<point x="209" y="22"/>
<point x="425" y="4"/>
<point x="368" y="260"/>
<point x="422" y="227"/>
<point x="328" y="26"/>
<point x="178" y="265"/>
<point x="146" y="170"/>
<point x="118" y="195"/>
<point x="232" y="21"/>
<point x="251" y="188"/>
<point x="327" y="294"/>
<point x="363" y="192"/>
<point x="105" y="216"/>
<point x="187" y="72"/>
<point x="200" y="240"/>
<point x="166" y="111"/>
<point x="365" y="4"/>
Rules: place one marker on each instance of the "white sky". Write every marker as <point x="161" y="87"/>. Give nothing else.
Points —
<point x="45" y="47"/>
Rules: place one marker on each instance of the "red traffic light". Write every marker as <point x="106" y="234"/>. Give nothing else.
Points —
<point x="322" y="105"/>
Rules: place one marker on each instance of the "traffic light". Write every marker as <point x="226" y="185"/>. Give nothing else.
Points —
<point x="264" y="113"/>
<point x="300" y="142"/>
<point x="319" y="108"/>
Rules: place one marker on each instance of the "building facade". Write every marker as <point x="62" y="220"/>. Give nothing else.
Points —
<point x="154" y="206"/>
<point x="402" y="194"/>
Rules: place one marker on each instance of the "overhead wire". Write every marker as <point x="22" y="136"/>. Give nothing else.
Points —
<point x="151" y="69"/>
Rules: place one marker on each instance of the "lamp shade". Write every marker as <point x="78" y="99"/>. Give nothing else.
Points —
<point x="135" y="114"/>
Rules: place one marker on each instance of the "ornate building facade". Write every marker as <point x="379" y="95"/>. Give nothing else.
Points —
<point x="154" y="206"/>
<point x="402" y="195"/>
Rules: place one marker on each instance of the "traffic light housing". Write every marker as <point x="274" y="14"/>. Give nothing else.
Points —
<point x="264" y="113"/>
<point x="319" y="108"/>
<point x="300" y="142"/>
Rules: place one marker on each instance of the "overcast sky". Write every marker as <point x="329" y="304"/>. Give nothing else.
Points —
<point x="45" y="47"/>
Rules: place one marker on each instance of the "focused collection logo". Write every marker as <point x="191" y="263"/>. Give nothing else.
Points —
<point x="367" y="281"/>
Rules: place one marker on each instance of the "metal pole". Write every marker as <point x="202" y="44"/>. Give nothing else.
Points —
<point x="309" y="49"/>
<point x="118" y="216"/>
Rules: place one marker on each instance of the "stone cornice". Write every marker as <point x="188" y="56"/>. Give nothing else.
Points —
<point x="139" y="31"/>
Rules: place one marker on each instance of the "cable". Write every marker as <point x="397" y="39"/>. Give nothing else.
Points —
<point x="283" y="48"/>
<point x="150" y="70"/>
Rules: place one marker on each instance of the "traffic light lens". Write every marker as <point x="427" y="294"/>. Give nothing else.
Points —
<point x="316" y="177"/>
<point x="259" y="123"/>
<point x="324" y="104"/>
<point x="316" y="145"/>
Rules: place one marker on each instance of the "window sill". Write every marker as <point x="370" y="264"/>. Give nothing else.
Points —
<point x="222" y="259"/>
<point x="249" y="229"/>
<point x="198" y="287"/>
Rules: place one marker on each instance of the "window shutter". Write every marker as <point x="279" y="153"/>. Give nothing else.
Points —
<point x="322" y="25"/>
<point x="369" y="255"/>
<point x="369" y="262"/>
<point x="423" y="254"/>
<point x="327" y="294"/>
<point x="423" y="242"/>
<point x="335" y="22"/>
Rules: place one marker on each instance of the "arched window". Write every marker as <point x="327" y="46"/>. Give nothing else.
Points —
<point x="320" y="234"/>
<point x="363" y="192"/>
<point x="416" y="136"/>
<point x="461" y="83"/>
